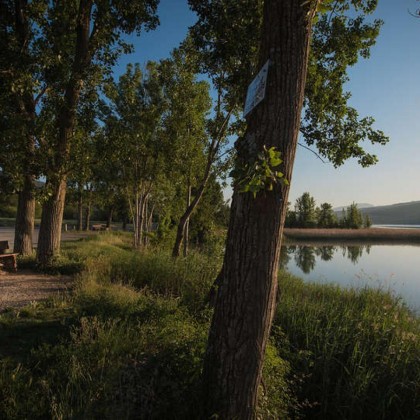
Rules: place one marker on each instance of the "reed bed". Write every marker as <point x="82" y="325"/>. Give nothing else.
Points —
<point x="371" y="235"/>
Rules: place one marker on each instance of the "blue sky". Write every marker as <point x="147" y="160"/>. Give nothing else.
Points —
<point x="386" y="87"/>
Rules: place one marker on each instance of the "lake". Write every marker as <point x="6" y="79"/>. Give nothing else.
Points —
<point x="390" y="267"/>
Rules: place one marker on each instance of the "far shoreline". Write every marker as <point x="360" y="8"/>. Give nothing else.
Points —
<point x="377" y="235"/>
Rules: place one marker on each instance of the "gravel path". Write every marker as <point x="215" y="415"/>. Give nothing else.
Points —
<point x="25" y="286"/>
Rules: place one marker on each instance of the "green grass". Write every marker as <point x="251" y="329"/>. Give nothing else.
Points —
<point x="130" y="340"/>
<point x="357" y="351"/>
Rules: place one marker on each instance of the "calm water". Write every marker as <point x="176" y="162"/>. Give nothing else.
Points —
<point x="394" y="267"/>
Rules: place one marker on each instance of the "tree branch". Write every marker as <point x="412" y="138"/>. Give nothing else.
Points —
<point x="40" y="95"/>
<point x="315" y="153"/>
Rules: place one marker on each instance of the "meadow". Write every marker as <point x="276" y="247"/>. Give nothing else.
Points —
<point x="128" y="342"/>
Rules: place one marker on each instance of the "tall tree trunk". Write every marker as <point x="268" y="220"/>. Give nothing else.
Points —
<point x="148" y="218"/>
<point x="88" y="210"/>
<point x="187" y="223"/>
<point x="50" y="229"/>
<point x="109" y="217"/>
<point x="136" y="218"/>
<point x="51" y="221"/>
<point x="139" y="218"/>
<point x="246" y="296"/>
<point x="176" y="251"/>
<point x="25" y="217"/>
<point x="80" y="208"/>
<point x="145" y="219"/>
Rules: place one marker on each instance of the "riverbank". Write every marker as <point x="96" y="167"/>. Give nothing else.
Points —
<point x="353" y="236"/>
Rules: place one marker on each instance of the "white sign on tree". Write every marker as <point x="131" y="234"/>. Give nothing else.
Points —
<point x="256" y="90"/>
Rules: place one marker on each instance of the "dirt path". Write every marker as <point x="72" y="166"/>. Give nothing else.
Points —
<point x="25" y="286"/>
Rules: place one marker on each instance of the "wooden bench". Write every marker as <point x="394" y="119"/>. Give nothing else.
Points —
<point x="7" y="260"/>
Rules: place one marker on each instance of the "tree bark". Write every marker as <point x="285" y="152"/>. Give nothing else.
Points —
<point x="139" y="218"/>
<point x="109" y="217"/>
<point x="25" y="218"/>
<point x="187" y="223"/>
<point x="88" y="210"/>
<point x="176" y="251"/>
<point x="80" y="208"/>
<point x="148" y="220"/>
<point x="246" y="296"/>
<point x="51" y="221"/>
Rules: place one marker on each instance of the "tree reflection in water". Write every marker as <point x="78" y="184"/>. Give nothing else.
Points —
<point x="305" y="258"/>
<point x="305" y="255"/>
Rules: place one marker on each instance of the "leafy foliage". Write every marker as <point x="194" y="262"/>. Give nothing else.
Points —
<point x="228" y="34"/>
<point x="352" y="217"/>
<point x="259" y="173"/>
<point x="305" y="211"/>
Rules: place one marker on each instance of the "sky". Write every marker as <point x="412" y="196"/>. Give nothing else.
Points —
<point x="386" y="87"/>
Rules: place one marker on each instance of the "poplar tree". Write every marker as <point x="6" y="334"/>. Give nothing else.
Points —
<point x="82" y="40"/>
<point x="22" y="89"/>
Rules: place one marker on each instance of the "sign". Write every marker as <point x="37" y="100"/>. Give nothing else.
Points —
<point x="256" y="90"/>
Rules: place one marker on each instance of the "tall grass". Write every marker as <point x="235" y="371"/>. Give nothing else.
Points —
<point x="130" y="340"/>
<point x="357" y="351"/>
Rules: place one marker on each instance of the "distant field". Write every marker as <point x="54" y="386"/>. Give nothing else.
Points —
<point x="378" y="235"/>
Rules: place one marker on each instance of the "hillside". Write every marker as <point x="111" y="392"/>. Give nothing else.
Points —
<point x="395" y="214"/>
<point x="359" y="205"/>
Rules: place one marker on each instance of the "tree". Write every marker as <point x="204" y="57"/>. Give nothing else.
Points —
<point x="218" y="128"/>
<point x="326" y="216"/>
<point x="83" y="40"/>
<point x="367" y="221"/>
<point x="133" y="147"/>
<point x="20" y="68"/>
<point x="185" y="127"/>
<point x="305" y="211"/>
<point x="247" y="284"/>
<point x="248" y="280"/>
<point x="353" y="218"/>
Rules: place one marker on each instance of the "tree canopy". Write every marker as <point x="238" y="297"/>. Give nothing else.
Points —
<point x="228" y="33"/>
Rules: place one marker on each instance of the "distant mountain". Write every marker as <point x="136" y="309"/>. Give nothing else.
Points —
<point x="395" y="214"/>
<point x="359" y="205"/>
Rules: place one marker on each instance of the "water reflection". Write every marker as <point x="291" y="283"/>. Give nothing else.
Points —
<point x="304" y="256"/>
<point x="389" y="267"/>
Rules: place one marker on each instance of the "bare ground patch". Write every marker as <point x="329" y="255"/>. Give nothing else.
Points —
<point x="25" y="286"/>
